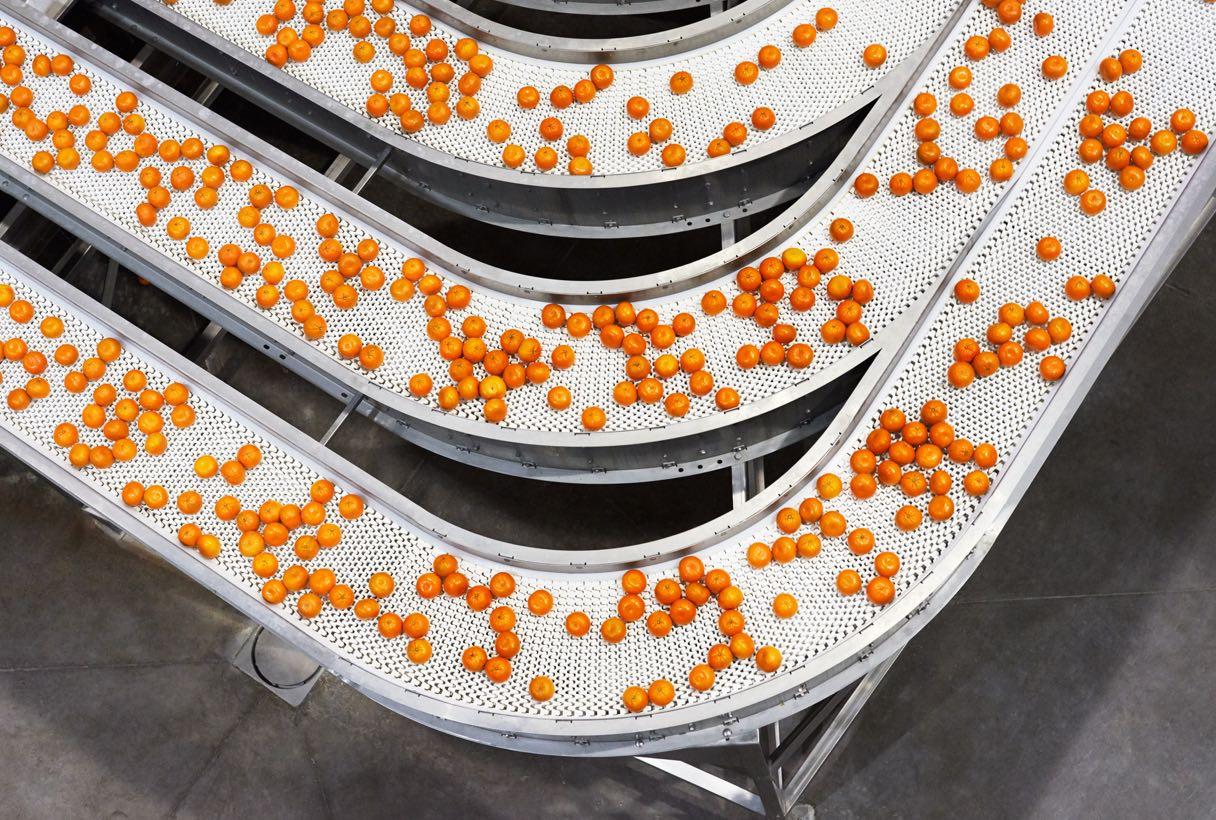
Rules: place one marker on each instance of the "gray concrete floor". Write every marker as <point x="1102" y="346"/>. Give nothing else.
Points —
<point x="1073" y="675"/>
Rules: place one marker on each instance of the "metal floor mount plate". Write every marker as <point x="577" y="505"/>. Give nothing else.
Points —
<point x="902" y="245"/>
<point x="833" y="639"/>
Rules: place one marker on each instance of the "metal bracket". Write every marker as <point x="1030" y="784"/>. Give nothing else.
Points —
<point x="350" y="406"/>
<point x="200" y="346"/>
<point x="780" y="769"/>
<point x="746" y="480"/>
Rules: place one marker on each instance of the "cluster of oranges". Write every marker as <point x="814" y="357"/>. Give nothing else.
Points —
<point x="260" y="531"/>
<point x="578" y="147"/>
<point x="761" y="291"/>
<point x="645" y="378"/>
<point x="476" y="370"/>
<point x="427" y="68"/>
<point x="678" y="601"/>
<point x="941" y="168"/>
<point x="351" y="269"/>
<point x="1042" y="330"/>
<point x="116" y="414"/>
<point x="58" y="125"/>
<point x="1105" y="139"/>
<point x="747" y="72"/>
<point x="445" y="578"/>
<point x="895" y="444"/>
<point x="517" y="360"/>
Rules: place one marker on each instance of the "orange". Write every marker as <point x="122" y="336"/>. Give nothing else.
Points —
<point x="341" y="596"/>
<point x="874" y="55"/>
<point x="1055" y="67"/>
<point x="389" y="625"/>
<point x="274" y="591"/>
<point x="1048" y="248"/>
<point x="506" y="645"/>
<point x="908" y="518"/>
<point x="768" y="659"/>
<point x="785" y="605"/>
<point x="541" y="688"/>
<point x="613" y="630"/>
<point x="578" y="624"/>
<point x="681" y="82"/>
<point x="474" y="659"/>
<point x="886" y="564"/>
<point x="1051" y="368"/>
<point x="865" y="185"/>
<point x="635" y="698"/>
<point x="880" y="590"/>
<point x="701" y="677"/>
<point x="498" y="669"/>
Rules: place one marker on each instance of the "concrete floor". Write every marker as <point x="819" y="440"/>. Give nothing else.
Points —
<point x="1073" y="675"/>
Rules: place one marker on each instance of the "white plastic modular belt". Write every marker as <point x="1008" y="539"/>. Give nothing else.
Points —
<point x="829" y="632"/>
<point x="808" y="84"/>
<point x="902" y="245"/>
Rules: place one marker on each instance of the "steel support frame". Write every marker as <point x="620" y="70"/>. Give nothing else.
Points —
<point x="1188" y="214"/>
<point x="780" y="762"/>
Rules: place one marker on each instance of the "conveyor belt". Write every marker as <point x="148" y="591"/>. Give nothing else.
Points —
<point x="811" y="89"/>
<point x="902" y="245"/>
<point x="833" y="638"/>
<point x="608" y="7"/>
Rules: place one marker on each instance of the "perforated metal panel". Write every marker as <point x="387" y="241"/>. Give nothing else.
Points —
<point x="591" y="674"/>
<point x="806" y="85"/>
<point x="902" y="245"/>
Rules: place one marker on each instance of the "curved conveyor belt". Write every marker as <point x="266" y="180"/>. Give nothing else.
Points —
<point x="833" y="638"/>
<point x="902" y="245"/>
<point x="607" y="7"/>
<point x="458" y="166"/>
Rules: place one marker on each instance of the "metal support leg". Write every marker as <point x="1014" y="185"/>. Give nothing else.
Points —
<point x="835" y="730"/>
<point x="728" y="233"/>
<point x="142" y="56"/>
<point x="780" y="769"/>
<point x="707" y="781"/>
<point x="368" y="175"/>
<point x="14" y="213"/>
<point x="75" y="254"/>
<point x="338" y="167"/>
<point x="342" y="417"/>
<point x="342" y="164"/>
<point x="746" y="480"/>
<point x="107" y="289"/>
<point x="207" y="93"/>
<point x="200" y="346"/>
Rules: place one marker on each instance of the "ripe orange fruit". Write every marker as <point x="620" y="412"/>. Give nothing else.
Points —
<point x="768" y="659"/>
<point x="785" y="605"/>
<point x="613" y="630"/>
<point x="498" y="669"/>
<point x="874" y="55"/>
<point x="880" y="590"/>
<point x="701" y="677"/>
<point x="541" y="688"/>
<point x="578" y="624"/>
<point x="635" y="698"/>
